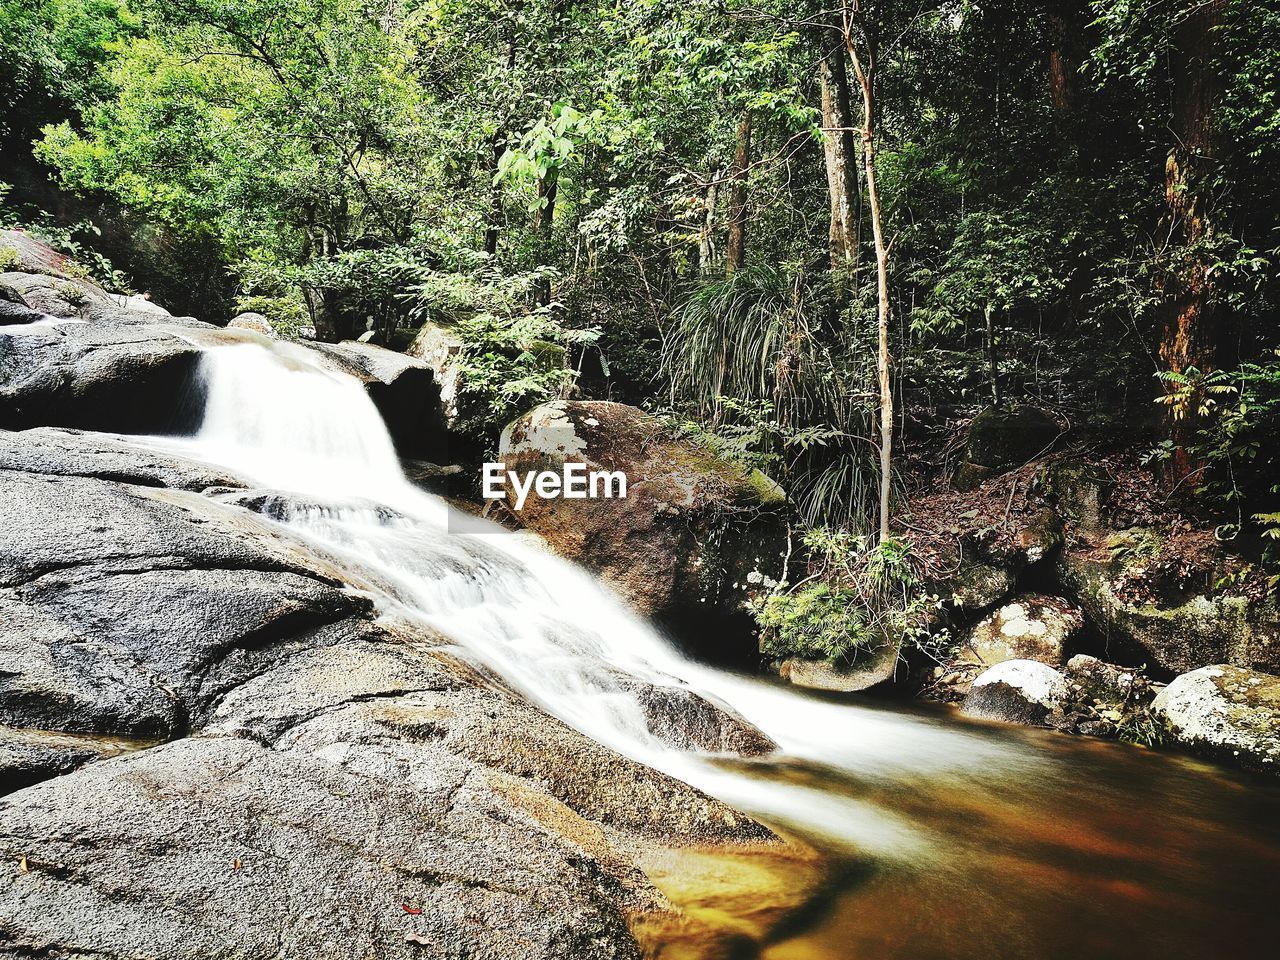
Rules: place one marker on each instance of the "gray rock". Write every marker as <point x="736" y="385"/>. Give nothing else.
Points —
<point x="252" y="321"/>
<point x="29" y="756"/>
<point x="1225" y="712"/>
<point x="115" y="601"/>
<point x="106" y="374"/>
<point x="342" y="788"/>
<point x="52" y="451"/>
<point x="1016" y="691"/>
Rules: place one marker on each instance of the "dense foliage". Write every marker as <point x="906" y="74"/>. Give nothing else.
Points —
<point x="642" y="199"/>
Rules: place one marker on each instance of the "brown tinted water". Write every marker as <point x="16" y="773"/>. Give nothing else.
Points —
<point x="1089" y="850"/>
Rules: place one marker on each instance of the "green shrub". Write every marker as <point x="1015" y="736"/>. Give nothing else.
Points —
<point x="819" y="622"/>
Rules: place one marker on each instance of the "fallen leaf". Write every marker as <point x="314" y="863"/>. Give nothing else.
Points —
<point x="235" y="864"/>
<point x="22" y="866"/>
<point x="411" y="911"/>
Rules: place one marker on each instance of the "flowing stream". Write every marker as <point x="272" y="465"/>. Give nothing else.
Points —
<point x="963" y="840"/>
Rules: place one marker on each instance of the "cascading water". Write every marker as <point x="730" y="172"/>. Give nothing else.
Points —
<point x="276" y="416"/>
<point x="987" y="826"/>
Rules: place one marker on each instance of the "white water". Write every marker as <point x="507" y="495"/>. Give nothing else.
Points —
<point x="277" y="417"/>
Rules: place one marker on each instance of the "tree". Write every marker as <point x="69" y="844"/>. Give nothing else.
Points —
<point x="861" y="43"/>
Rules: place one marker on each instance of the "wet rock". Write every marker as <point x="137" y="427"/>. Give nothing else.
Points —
<point x="252" y="321"/>
<point x="693" y="539"/>
<point x="869" y="670"/>
<point x="30" y="756"/>
<point x="687" y="721"/>
<point x="56" y="452"/>
<point x="14" y="309"/>
<point x="1016" y="691"/>
<point x="1225" y="712"/>
<point x="1028" y="627"/>
<point x="107" y="374"/>
<point x="116" y="599"/>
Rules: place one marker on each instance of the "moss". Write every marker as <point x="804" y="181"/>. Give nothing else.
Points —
<point x="767" y="491"/>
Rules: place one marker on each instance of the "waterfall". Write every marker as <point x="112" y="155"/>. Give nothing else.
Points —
<point x="277" y="416"/>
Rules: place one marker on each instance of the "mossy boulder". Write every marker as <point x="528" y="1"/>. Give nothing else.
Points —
<point x="867" y="669"/>
<point x="1001" y="438"/>
<point x="1028" y="627"/>
<point x="696" y="535"/>
<point x="1135" y="589"/>
<point x="1005" y="437"/>
<point x="1227" y="713"/>
<point x="1080" y="492"/>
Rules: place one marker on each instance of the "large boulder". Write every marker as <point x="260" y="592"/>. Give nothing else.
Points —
<point x="694" y="535"/>
<point x="21" y="251"/>
<point x="252" y="321"/>
<point x="1158" y="599"/>
<point x="317" y="755"/>
<point x="88" y="362"/>
<point x="1225" y="712"/>
<point x="1016" y="691"/>
<point x="1001" y="438"/>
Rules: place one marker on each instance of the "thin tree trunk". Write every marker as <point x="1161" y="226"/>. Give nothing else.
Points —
<point x="736" y="248"/>
<point x="1190" y="337"/>
<point x="840" y="154"/>
<point x="1065" y="21"/>
<point x="707" y="239"/>
<point x="991" y="356"/>
<point x="543" y="221"/>
<point x="494" y="225"/>
<point x="853" y="14"/>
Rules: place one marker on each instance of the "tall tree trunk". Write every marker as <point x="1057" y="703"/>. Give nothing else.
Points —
<point x="854" y="19"/>
<point x="1065" y="20"/>
<point x="1190" y="335"/>
<point x="498" y="145"/>
<point x="736" y="248"/>
<point x="841" y="163"/>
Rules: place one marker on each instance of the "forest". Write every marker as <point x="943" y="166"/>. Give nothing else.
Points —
<point x="926" y="354"/>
